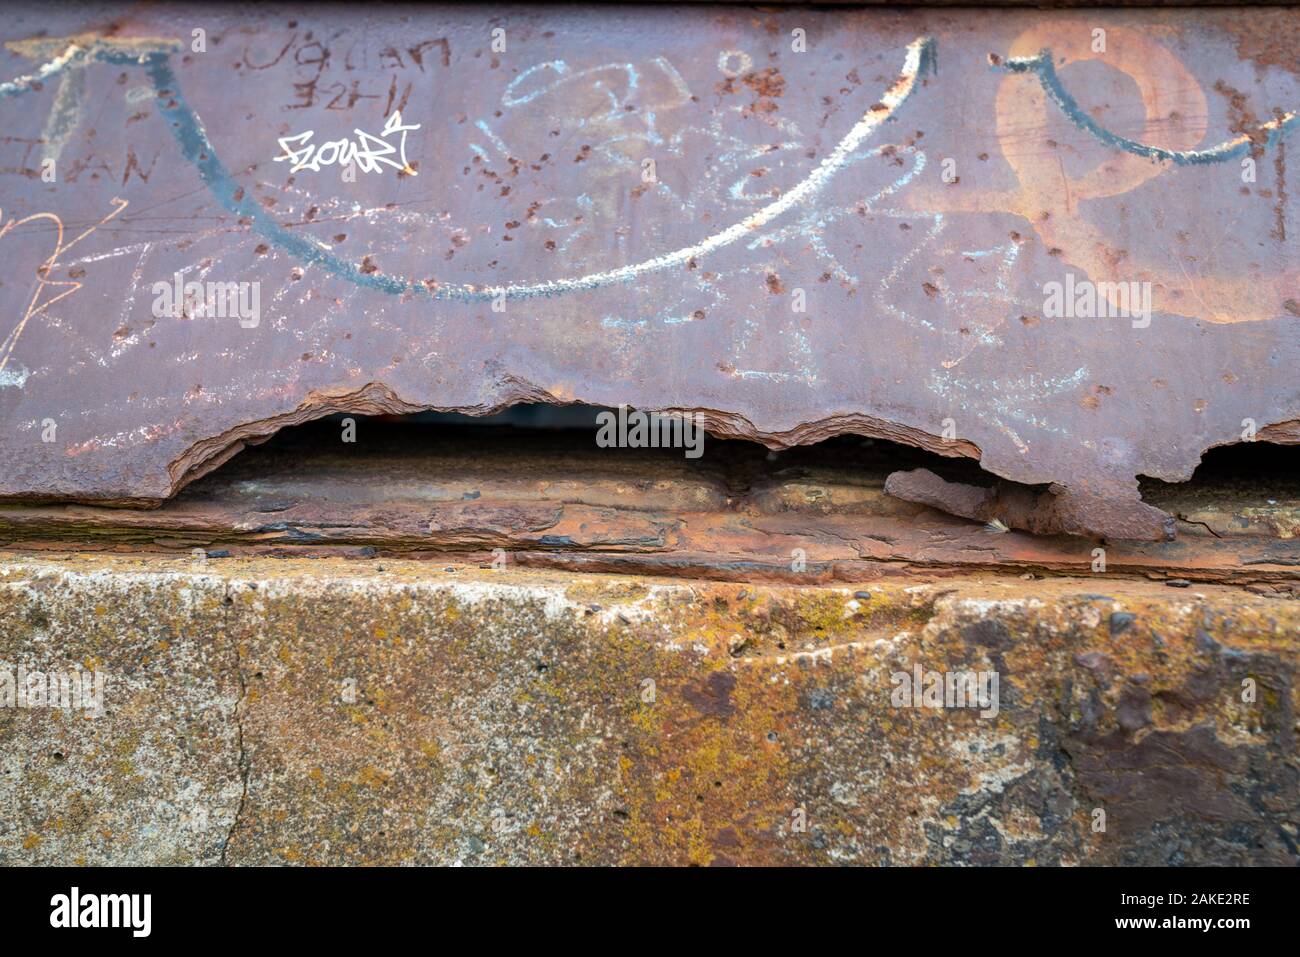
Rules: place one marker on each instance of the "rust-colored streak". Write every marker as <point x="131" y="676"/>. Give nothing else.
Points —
<point x="545" y="501"/>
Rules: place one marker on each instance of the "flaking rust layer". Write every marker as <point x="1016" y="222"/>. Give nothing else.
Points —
<point x="624" y="205"/>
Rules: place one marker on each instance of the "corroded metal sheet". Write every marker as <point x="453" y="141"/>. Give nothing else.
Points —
<point x="798" y="223"/>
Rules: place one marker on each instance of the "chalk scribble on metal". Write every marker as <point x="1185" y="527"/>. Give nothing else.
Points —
<point x="778" y="172"/>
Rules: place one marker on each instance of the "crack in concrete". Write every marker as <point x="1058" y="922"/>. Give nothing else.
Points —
<point x="241" y="758"/>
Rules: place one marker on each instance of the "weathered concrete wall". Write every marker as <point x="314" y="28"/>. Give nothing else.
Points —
<point x="506" y="716"/>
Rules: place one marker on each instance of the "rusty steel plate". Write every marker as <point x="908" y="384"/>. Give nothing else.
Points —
<point x="631" y="205"/>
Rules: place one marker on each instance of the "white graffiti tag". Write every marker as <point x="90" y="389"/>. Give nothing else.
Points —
<point x="368" y="152"/>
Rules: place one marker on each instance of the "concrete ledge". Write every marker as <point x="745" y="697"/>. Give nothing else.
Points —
<point x="330" y="711"/>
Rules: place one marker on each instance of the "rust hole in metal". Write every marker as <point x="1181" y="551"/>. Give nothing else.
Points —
<point x="530" y="482"/>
